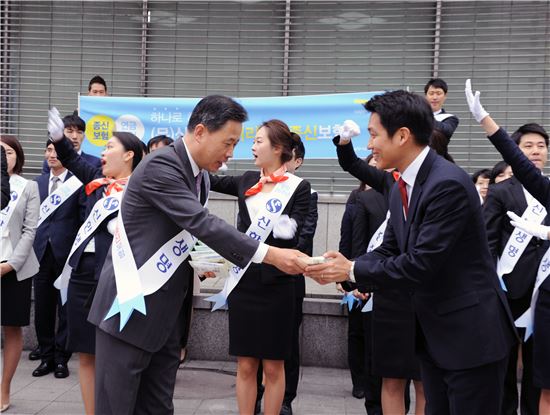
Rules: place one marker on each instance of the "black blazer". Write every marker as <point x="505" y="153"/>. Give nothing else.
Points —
<point x="86" y="172"/>
<point x="524" y="170"/>
<point x="305" y="239"/>
<point x="4" y="179"/>
<point x="440" y="254"/>
<point x="503" y="197"/>
<point x="93" y="160"/>
<point x="448" y="125"/>
<point x="297" y="208"/>
<point x="61" y="226"/>
<point x="371" y="210"/>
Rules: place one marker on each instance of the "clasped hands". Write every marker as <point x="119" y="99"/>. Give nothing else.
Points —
<point x="335" y="268"/>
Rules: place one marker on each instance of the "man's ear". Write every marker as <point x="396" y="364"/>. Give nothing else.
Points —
<point x="199" y="132"/>
<point x="404" y="135"/>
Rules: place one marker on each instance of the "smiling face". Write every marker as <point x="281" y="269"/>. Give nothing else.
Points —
<point x="115" y="160"/>
<point x="482" y="183"/>
<point x="265" y="155"/>
<point x="534" y="147"/>
<point x="11" y="157"/>
<point x="385" y="149"/>
<point x="436" y="97"/>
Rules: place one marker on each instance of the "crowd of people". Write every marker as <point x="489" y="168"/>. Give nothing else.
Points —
<point x="444" y="274"/>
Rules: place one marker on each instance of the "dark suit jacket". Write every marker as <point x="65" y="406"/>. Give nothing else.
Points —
<point x="93" y="160"/>
<point x="524" y="170"/>
<point x="160" y="200"/>
<point x="86" y="172"/>
<point x="371" y="209"/>
<point x="5" y="179"/>
<point x="448" y="125"/>
<point x="60" y="227"/>
<point x="440" y="254"/>
<point x="346" y="226"/>
<point x="501" y="198"/>
<point x="305" y="239"/>
<point x="297" y="208"/>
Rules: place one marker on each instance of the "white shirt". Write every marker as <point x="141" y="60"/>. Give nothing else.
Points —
<point x="410" y="173"/>
<point x="61" y="177"/>
<point x="261" y="252"/>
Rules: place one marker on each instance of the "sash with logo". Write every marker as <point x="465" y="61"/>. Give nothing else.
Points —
<point x="375" y="242"/>
<point x="17" y="185"/>
<point x="57" y="198"/>
<point x="132" y="284"/>
<point x="259" y="229"/>
<point x="527" y="319"/>
<point x="442" y="116"/>
<point x="519" y="240"/>
<point x="103" y="208"/>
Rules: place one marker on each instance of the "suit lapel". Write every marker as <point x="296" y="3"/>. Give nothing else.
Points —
<point x="516" y="189"/>
<point x="179" y="147"/>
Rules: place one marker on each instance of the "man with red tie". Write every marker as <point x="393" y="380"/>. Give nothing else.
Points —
<point x="435" y="248"/>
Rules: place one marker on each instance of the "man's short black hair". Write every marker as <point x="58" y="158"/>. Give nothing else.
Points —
<point x="530" y="128"/>
<point x="299" y="150"/>
<point x="214" y="111"/>
<point x="400" y="108"/>
<point x="159" y="139"/>
<point x="73" y="120"/>
<point x="97" y="80"/>
<point x="436" y="83"/>
<point x="483" y="173"/>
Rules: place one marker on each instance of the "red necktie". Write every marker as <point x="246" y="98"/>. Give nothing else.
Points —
<point x="404" y="198"/>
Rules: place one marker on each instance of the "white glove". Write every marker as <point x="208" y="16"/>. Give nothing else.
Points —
<point x="285" y="228"/>
<point x="348" y="130"/>
<point x="111" y="226"/>
<point x="55" y="125"/>
<point x="535" y="229"/>
<point x="475" y="106"/>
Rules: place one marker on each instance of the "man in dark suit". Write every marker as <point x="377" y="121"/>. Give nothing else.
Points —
<point x="436" y="93"/>
<point x="74" y="130"/>
<point x="136" y="366"/>
<point x="435" y="247"/>
<point x="509" y="195"/>
<point x="52" y="244"/>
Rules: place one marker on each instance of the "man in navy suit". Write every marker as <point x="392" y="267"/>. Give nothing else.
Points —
<point x="436" y="94"/>
<point x="52" y="244"/>
<point x="435" y="247"/>
<point x="74" y="131"/>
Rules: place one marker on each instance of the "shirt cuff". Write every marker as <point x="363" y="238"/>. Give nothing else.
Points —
<point x="260" y="253"/>
<point x="351" y="274"/>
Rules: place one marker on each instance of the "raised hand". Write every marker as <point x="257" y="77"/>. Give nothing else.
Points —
<point x="55" y="125"/>
<point x="474" y="104"/>
<point x="535" y="229"/>
<point x="348" y="130"/>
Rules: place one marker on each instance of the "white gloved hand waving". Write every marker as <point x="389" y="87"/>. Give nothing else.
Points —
<point x="474" y="104"/>
<point x="55" y="125"/>
<point x="535" y="229"/>
<point x="348" y="130"/>
<point x="285" y="228"/>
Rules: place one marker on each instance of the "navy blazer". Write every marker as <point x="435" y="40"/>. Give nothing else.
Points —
<point x="86" y="172"/>
<point x="448" y="125"/>
<point x="93" y="160"/>
<point x="526" y="172"/>
<point x="61" y="226"/>
<point x="440" y="254"/>
<point x="502" y="197"/>
<point x="297" y="208"/>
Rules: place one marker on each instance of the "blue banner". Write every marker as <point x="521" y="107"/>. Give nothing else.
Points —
<point x="316" y="118"/>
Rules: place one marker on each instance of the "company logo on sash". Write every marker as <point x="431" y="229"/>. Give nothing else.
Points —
<point x="13" y="196"/>
<point x="274" y="205"/>
<point x="111" y="204"/>
<point x="55" y="199"/>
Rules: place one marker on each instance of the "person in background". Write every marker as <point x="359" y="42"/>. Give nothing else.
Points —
<point x="157" y="142"/>
<point x="481" y="179"/>
<point x="436" y="94"/>
<point x="500" y="172"/>
<point x="18" y="261"/>
<point x="4" y="179"/>
<point x="97" y="87"/>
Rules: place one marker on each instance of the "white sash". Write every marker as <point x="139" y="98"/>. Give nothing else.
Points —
<point x="527" y="319"/>
<point x="57" y="198"/>
<point x="518" y="241"/>
<point x="259" y="229"/>
<point x="101" y="210"/>
<point x="17" y="185"/>
<point x="375" y="242"/>
<point x="442" y="116"/>
<point x="132" y="284"/>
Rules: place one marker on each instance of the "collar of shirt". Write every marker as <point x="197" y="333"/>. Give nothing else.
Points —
<point x="410" y="173"/>
<point x="196" y="169"/>
<point x="62" y="176"/>
<point x="438" y="112"/>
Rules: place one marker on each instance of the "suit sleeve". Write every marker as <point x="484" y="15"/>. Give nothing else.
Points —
<point x="446" y="215"/>
<point x="305" y="239"/>
<point x="360" y="228"/>
<point x="494" y="214"/>
<point x="225" y="184"/>
<point x="447" y="126"/>
<point x="75" y="163"/>
<point x="379" y="180"/>
<point x="525" y="171"/>
<point x="22" y="250"/>
<point x="5" y="179"/>
<point x="344" y="246"/>
<point x="168" y="190"/>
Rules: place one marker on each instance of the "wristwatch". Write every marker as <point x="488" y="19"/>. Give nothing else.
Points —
<point x="351" y="275"/>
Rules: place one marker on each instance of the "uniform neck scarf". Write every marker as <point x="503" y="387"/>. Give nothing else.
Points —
<point x="275" y="177"/>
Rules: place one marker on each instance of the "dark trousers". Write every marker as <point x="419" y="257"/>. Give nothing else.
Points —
<point x="47" y="303"/>
<point x="372" y="383"/>
<point x="475" y="391"/>
<point x="356" y="347"/>
<point x="130" y="380"/>
<point x="530" y="395"/>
